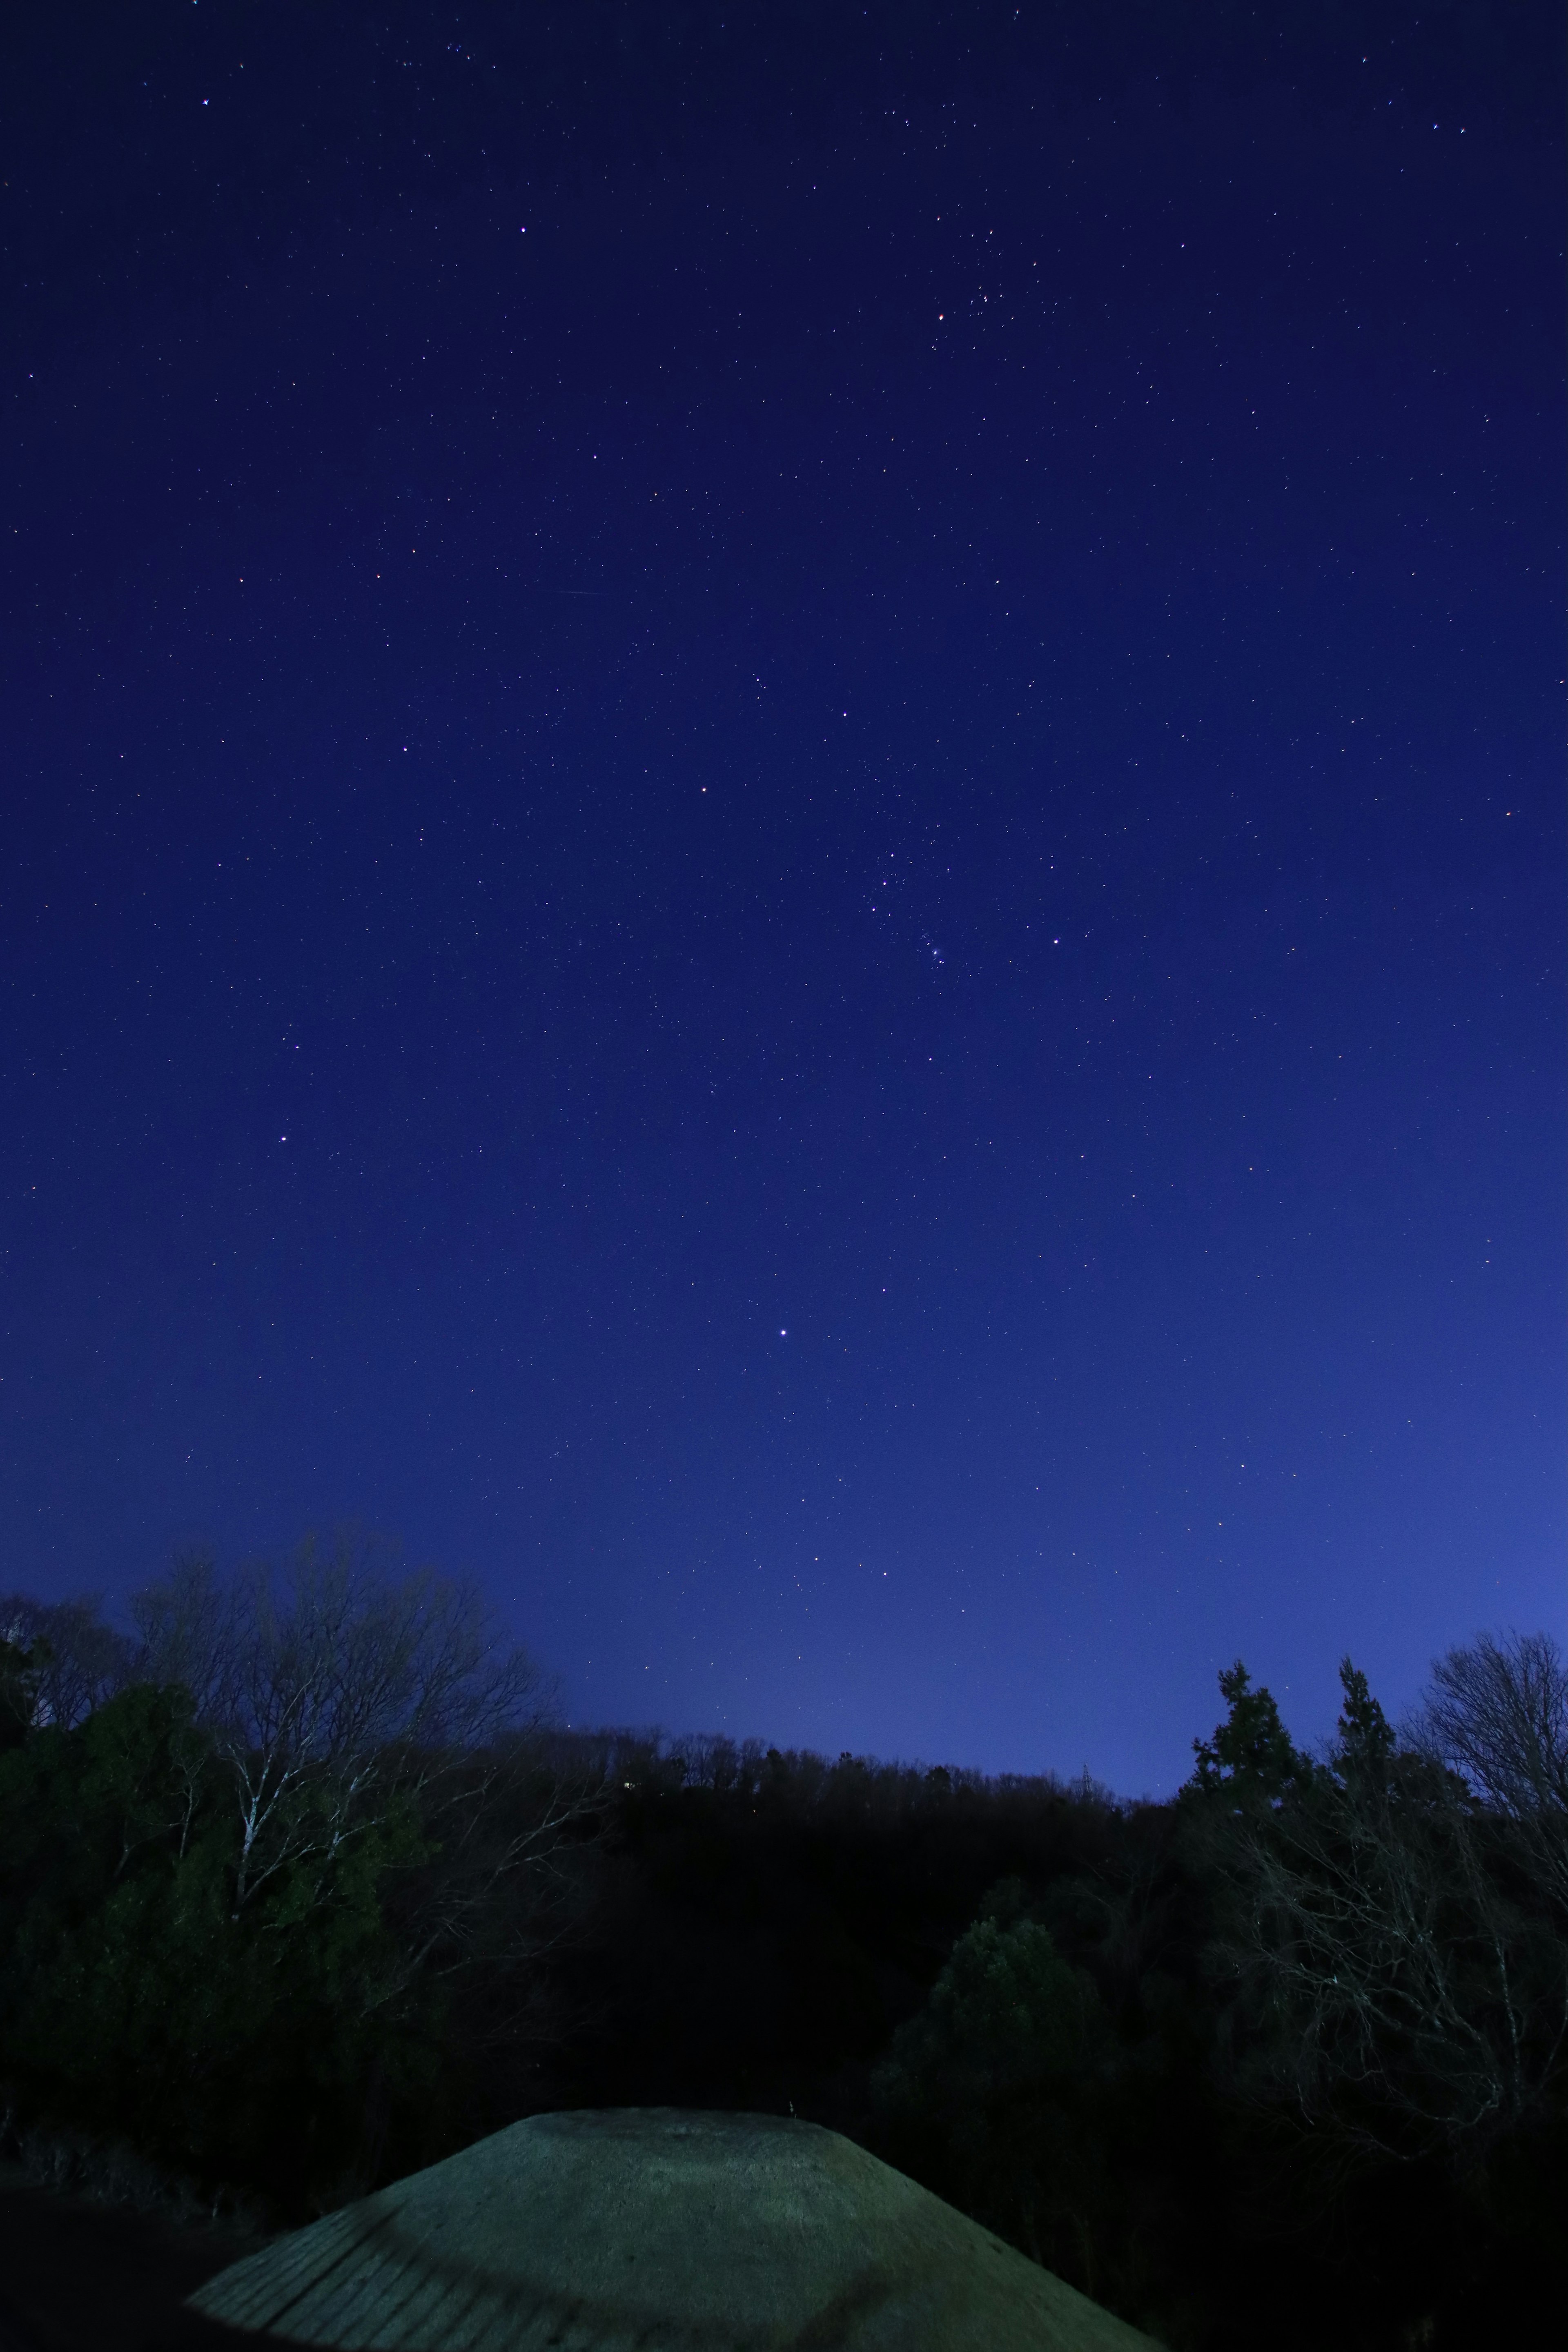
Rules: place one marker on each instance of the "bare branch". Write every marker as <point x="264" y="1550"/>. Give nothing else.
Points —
<point x="1399" y="1960"/>
<point x="333" y="1691"/>
<point x="76" y="1661"/>
<point x="1497" y="1713"/>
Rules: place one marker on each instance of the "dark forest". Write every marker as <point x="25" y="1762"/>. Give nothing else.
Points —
<point x="304" y="1886"/>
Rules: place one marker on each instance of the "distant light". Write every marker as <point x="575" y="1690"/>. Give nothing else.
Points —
<point x="784" y="1335"/>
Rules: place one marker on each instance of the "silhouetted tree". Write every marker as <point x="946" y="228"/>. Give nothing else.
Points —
<point x="335" y="1694"/>
<point x="992" y="2092"/>
<point x="77" y="1660"/>
<point x="287" y="1891"/>
<point x="1250" y="1756"/>
<point x="1496" y="1715"/>
<point x="1407" y="1986"/>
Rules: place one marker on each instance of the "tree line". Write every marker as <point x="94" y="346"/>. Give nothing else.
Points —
<point x="302" y="1884"/>
<point x="278" y="1870"/>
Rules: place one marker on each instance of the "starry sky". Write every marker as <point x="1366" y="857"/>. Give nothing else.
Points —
<point x="784" y="839"/>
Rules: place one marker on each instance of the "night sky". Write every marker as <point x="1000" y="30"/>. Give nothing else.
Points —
<point x="784" y="839"/>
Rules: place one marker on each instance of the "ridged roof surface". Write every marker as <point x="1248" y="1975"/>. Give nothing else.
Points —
<point x="663" y="2230"/>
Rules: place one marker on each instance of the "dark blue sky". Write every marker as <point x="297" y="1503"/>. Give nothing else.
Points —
<point x="784" y="840"/>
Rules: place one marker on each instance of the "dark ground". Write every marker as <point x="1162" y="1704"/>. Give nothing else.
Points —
<point x="79" y="2277"/>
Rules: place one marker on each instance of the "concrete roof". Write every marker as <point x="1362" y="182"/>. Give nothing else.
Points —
<point x="668" y="2231"/>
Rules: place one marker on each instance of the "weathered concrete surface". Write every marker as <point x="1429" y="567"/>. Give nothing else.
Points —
<point x="664" y="2230"/>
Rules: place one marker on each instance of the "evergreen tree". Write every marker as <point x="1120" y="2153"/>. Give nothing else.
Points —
<point x="1251" y="1755"/>
<point x="1366" y="1741"/>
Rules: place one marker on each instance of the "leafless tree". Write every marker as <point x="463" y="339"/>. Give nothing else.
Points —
<point x="1496" y="1715"/>
<point x="334" y="1692"/>
<point x="76" y="1660"/>
<point x="507" y="1877"/>
<point x="1405" y="1970"/>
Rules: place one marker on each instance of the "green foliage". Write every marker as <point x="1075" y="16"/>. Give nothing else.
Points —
<point x="1250" y="1757"/>
<point x="19" y="1669"/>
<point x="1365" y="1739"/>
<point x="277" y="1875"/>
<point x="1006" y="2014"/>
<point x="133" y="1999"/>
<point x="1143" y="2042"/>
<point x="78" y="1807"/>
<point x="1070" y="2051"/>
<point x="1400" y="1981"/>
<point x="995" y="2087"/>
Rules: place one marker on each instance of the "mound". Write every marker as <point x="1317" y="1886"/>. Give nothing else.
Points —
<point x="664" y="2230"/>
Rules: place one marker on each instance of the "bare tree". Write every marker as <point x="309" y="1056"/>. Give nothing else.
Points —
<point x="506" y="1876"/>
<point x="1406" y="1979"/>
<point x="76" y="1661"/>
<point x="1497" y="1713"/>
<point x="335" y="1691"/>
<point x="1411" y="2002"/>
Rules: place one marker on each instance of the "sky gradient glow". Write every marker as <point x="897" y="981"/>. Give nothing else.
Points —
<point x="786" y="843"/>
